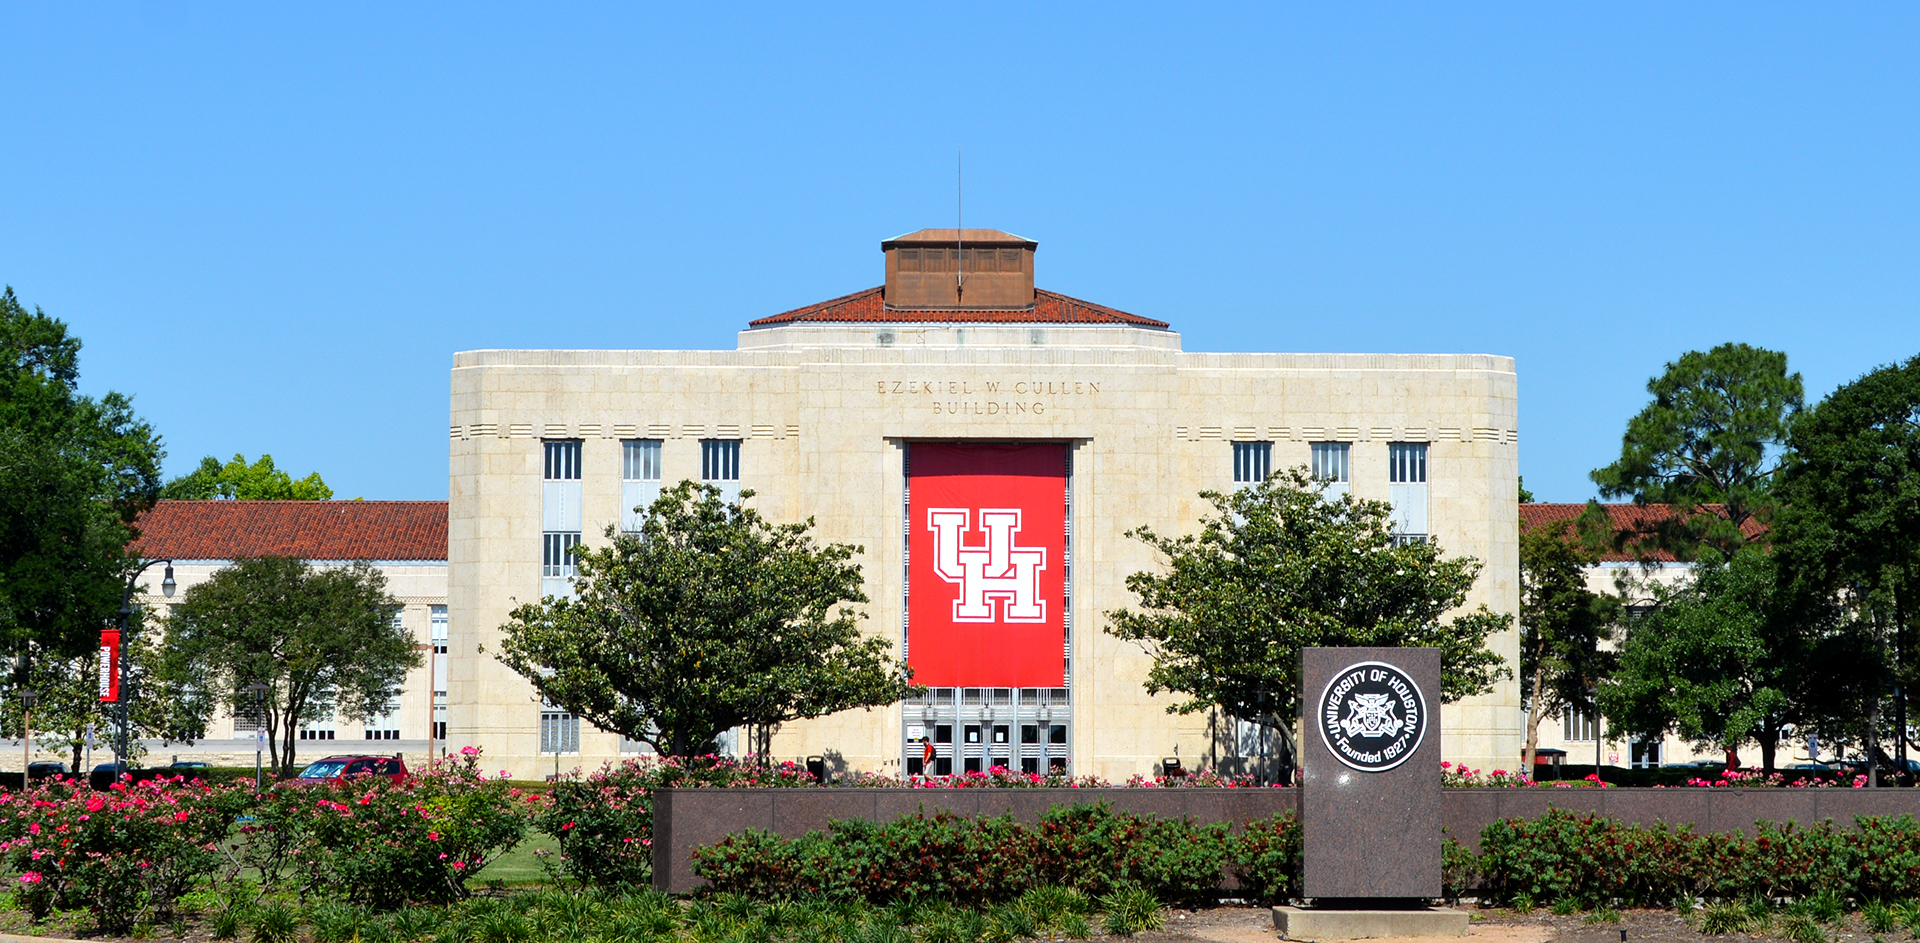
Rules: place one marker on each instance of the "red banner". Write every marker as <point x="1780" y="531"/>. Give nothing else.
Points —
<point x="986" y="588"/>
<point x="110" y="665"/>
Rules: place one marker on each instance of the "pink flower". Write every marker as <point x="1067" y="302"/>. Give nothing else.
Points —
<point x="96" y="803"/>
<point x="469" y="751"/>
<point x="34" y="828"/>
<point x="459" y="866"/>
<point x="31" y="877"/>
<point x="433" y="836"/>
<point x="180" y="816"/>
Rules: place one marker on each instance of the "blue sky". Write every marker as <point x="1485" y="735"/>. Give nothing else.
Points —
<point x="275" y="226"/>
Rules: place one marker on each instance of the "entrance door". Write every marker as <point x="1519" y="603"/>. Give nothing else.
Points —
<point x="973" y="730"/>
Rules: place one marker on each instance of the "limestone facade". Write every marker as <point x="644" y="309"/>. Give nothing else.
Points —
<point x="824" y="413"/>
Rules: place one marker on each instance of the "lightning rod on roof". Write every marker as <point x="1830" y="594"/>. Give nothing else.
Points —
<point x="959" y="231"/>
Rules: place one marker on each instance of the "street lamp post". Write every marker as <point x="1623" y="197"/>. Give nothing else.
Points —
<point x="259" y="692"/>
<point x="126" y="678"/>
<point x="28" y="697"/>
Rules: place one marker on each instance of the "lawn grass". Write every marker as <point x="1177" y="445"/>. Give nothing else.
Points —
<point x="520" y="866"/>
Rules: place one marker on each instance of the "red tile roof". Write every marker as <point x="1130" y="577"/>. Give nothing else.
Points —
<point x="870" y="306"/>
<point x="313" y="530"/>
<point x="1626" y="518"/>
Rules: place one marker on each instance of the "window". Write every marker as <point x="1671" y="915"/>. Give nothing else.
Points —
<point x="1252" y="462"/>
<point x="317" y="730"/>
<point x="907" y="260"/>
<point x="719" y="459"/>
<point x="1645" y="754"/>
<point x="559" y="730"/>
<point x="720" y="466"/>
<point x="639" y="480"/>
<point x="1332" y="463"/>
<point x="384" y="725"/>
<point x="1578" y="724"/>
<point x="438" y="621"/>
<point x="556" y="559"/>
<point x="630" y="745"/>
<point x="1407" y="491"/>
<point x="559" y="516"/>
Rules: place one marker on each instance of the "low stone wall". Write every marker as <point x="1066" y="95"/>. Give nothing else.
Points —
<point x="1465" y="812"/>
<point x="685" y="819"/>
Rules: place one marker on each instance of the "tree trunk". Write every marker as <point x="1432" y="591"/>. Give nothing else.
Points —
<point x="1871" y="754"/>
<point x="1533" y="743"/>
<point x="1769" y="738"/>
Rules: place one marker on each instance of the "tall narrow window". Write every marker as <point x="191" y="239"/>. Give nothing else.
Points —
<point x="1407" y="490"/>
<point x="1577" y="725"/>
<point x="1332" y="463"/>
<point x="439" y="623"/>
<point x="559" y="516"/>
<point x="639" y="480"/>
<point x="1252" y="462"/>
<point x="559" y="730"/>
<point x="720" y="466"/>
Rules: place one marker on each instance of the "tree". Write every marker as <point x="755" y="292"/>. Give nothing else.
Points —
<point x="1850" y="520"/>
<point x="1733" y="656"/>
<point x="323" y="640"/>
<point x="1562" y="624"/>
<point x="260" y="481"/>
<point x="707" y="619"/>
<point x="74" y="474"/>
<point x="69" y="704"/>
<point x="1278" y="569"/>
<point x="1706" y="445"/>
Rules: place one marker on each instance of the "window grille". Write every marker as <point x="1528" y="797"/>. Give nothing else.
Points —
<point x="384" y="725"/>
<point x="1331" y="461"/>
<point x="563" y="460"/>
<point x="719" y="459"/>
<point x="1407" y="463"/>
<point x="439" y="622"/>
<point x="559" y="730"/>
<point x="1407" y="491"/>
<point x="640" y="460"/>
<point x="556" y="560"/>
<point x="1578" y="724"/>
<point x="1252" y="462"/>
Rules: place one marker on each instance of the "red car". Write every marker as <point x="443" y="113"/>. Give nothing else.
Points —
<point x="338" y="769"/>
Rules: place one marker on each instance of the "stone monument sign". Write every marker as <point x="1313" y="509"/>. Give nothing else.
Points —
<point x="1370" y="799"/>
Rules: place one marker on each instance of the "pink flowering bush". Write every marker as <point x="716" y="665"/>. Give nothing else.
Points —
<point x="386" y="844"/>
<point x="1459" y="775"/>
<point x="1756" y="779"/>
<point x="127" y="854"/>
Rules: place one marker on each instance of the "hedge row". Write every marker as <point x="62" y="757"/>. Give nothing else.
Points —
<point x="1093" y="849"/>
<point x="1559" y="856"/>
<point x="1594" y="861"/>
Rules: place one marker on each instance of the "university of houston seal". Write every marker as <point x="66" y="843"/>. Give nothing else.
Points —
<point x="1372" y="716"/>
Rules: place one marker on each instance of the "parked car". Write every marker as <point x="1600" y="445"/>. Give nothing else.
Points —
<point x="342" y="768"/>
<point x="45" y="769"/>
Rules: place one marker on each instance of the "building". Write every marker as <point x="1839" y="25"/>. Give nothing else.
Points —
<point x="962" y="411"/>
<point x="405" y="540"/>
<point x="1634" y="578"/>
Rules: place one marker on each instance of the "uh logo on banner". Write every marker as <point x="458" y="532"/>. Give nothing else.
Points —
<point x="986" y="582"/>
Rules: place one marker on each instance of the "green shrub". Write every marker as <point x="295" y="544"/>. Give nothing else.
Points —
<point x="1131" y="910"/>
<point x="1266" y="859"/>
<point x="1089" y="849"/>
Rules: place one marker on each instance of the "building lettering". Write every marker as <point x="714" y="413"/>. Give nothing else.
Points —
<point x="977" y="397"/>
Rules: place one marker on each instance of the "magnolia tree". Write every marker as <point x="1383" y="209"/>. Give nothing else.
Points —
<point x="708" y="619"/>
<point x="1278" y="568"/>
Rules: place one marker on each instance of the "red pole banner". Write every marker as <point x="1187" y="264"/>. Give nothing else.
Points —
<point x="110" y="665"/>
<point x="986" y="587"/>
